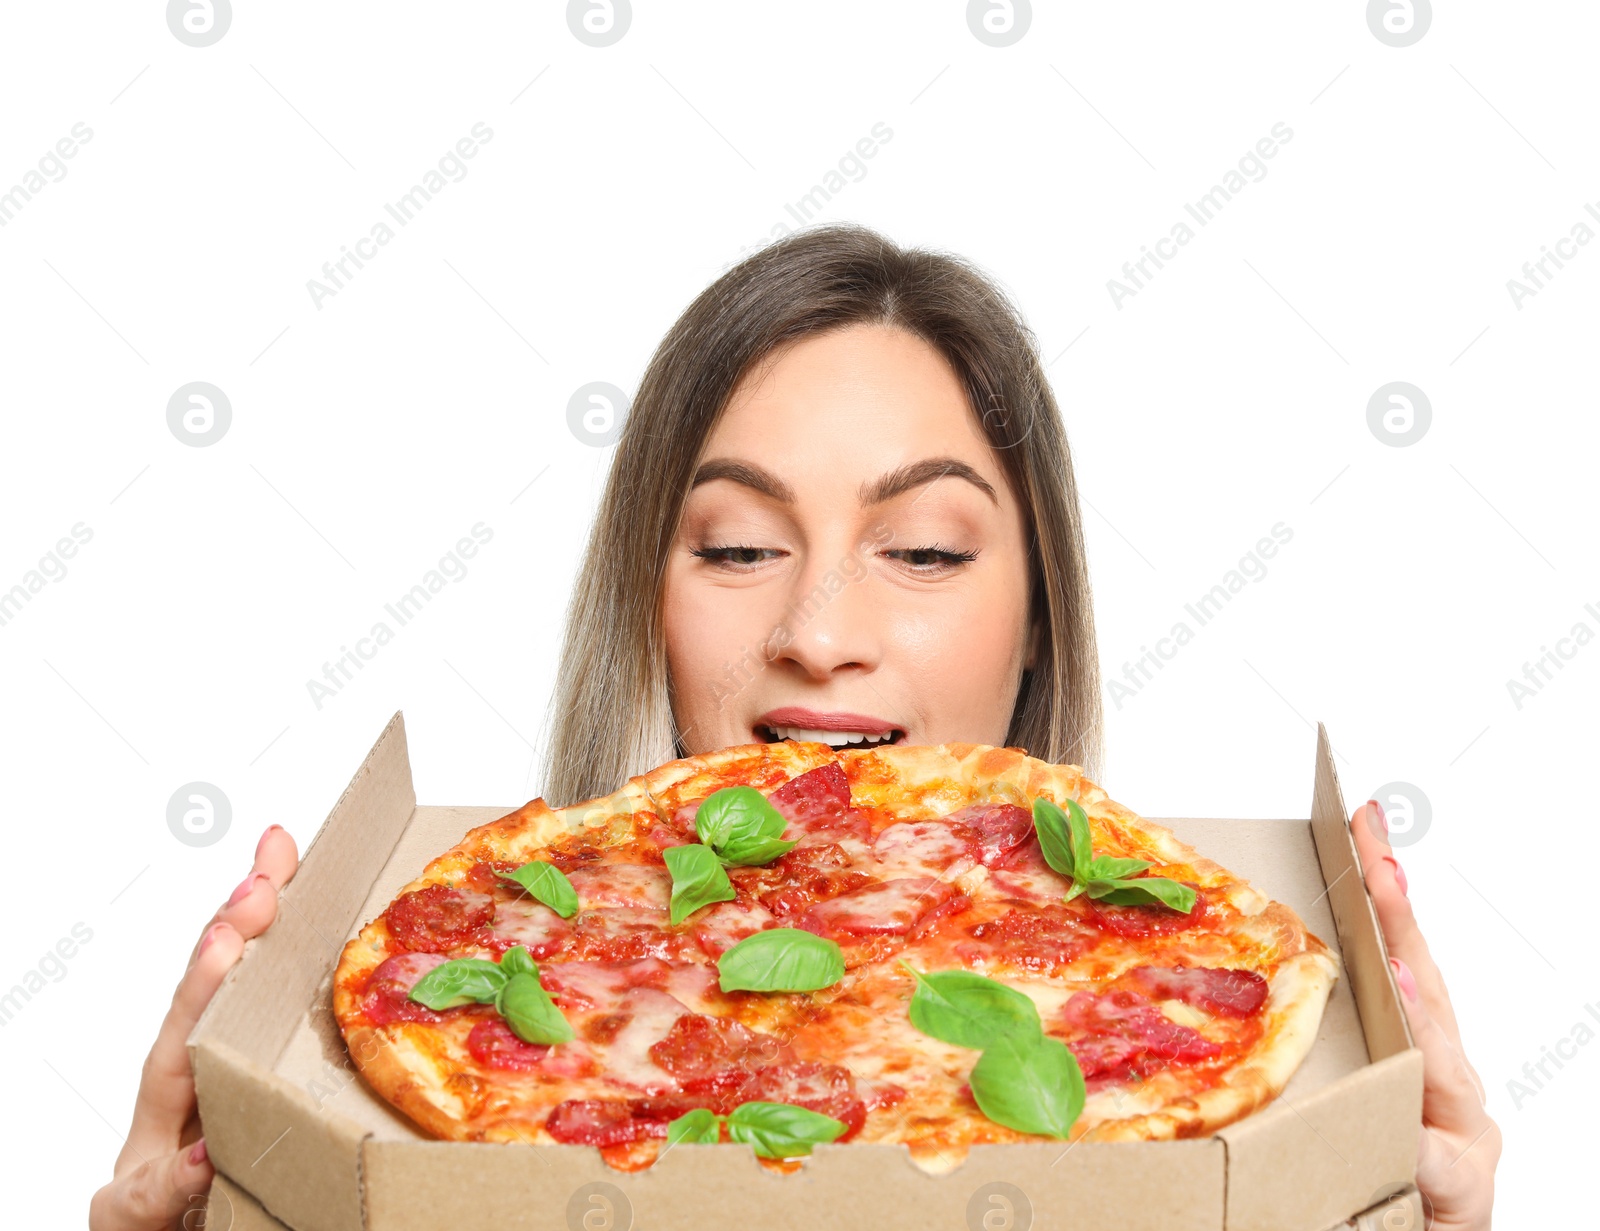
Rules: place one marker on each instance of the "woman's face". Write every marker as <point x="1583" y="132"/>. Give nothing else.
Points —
<point x="852" y="564"/>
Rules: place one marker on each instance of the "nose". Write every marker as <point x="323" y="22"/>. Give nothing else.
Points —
<point x="830" y="623"/>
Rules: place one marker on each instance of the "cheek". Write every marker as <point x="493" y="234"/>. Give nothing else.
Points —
<point x="713" y="635"/>
<point x="691" y="626"/>
<point x="962" y="662"/>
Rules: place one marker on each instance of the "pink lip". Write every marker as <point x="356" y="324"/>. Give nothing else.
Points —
<point x="815" y="720"/>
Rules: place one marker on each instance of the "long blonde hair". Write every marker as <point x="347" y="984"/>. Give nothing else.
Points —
<point x="611" y="714"/>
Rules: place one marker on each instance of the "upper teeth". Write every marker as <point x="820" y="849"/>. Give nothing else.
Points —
<point x="837" y="739"/>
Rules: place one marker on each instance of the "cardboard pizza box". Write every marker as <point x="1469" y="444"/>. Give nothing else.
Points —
<point x="289" y="1122"/>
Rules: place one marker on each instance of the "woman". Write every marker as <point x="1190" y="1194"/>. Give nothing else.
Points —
<point x="842" y="508"/>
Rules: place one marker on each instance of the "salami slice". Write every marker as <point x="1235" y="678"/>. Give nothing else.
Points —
<point x="1231" y="993"/>
<point x="1120" y="1033"/>
<point x="388" y="990"/>
<point x="890" y="908"/>
<point x="439" y="918"/>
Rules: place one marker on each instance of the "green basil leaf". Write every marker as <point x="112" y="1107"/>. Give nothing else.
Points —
<point x="463" y="981"/>
<point x="781" y="1130"/>
<point x="549" y="884"/>
<point x="753" y="852"/>
<point x="781" y="960"/>
<point x="697" y="880"/>
<point x="702" y="1126"/>
<point x="518" y="961"/>
<point x="1082" y="855"/>
<point x="736" y="812"/>
<point x="1145" y="891"/>
<point x="1108" y="867"/>
<point x="529" y="1011"/>
<point x="1055" y="836"/>
<point x="957" y="1006"/>
<point x="1031" y="1085"/>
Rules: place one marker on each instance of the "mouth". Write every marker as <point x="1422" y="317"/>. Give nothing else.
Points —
<point x="836" y="739"/>
<point x="835" y="727"/>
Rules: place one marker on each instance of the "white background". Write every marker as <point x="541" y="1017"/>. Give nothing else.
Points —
<point x="369" y="435"/>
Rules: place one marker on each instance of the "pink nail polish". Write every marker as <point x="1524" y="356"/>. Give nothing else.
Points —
<point x="1382" y="818"/>
<point x="1403" y="976"/>
<point x="1399" y="874"/>
<point x="197" y="1152"/>
<point x="269" y="832"/>
<point x="211" y="935"/>
<point x="245" y="886"/>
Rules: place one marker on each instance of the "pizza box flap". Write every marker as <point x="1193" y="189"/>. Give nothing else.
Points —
<point x="1327" y="1153"/>
<point x="265" y="1133"/>
<point x="412" y="1185"/>
<point x="1360" y="938"/>
<point x="231" y="1208"/>
<point x="272" y="1070"/>
<point x="270" y="1132"/>
<point x="265" y="995"/>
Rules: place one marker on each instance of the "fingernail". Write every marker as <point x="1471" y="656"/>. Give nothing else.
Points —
<point x="197" y="1152"/>
<point x="269" y="832"/>
<point x="1403" y="976"/>
<point x="1399" y="874"/>
<point x="245" y="886"/>
<point x="211" y="935"/>
<point x="1382" y="818"/>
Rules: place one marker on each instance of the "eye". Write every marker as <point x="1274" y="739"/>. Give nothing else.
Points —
<point x="933" y="560"/>
<point x="734" y="557"/>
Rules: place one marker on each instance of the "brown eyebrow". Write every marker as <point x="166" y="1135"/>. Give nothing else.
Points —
<point x="747" y="473"/>
<point x="915" y="474"/>
<point x="886" y="487"/>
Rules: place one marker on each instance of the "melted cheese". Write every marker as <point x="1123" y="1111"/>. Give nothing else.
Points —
<point x="622" y="884"/>
<point x="921" y="848"/>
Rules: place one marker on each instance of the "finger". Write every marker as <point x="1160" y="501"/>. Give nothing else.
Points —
<point x="1387" y="884"/>
<point x="1450" y="1102"/>
<point x="253" y="904"/>
<point x="277" y="856"/>
<point x="166" y="1087"/>
<point x="153" y="1195"/>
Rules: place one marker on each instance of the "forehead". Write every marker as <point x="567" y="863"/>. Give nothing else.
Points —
<point x="841" y="408"/>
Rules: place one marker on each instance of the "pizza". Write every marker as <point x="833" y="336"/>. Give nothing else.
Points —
<point x="790" y="943"/>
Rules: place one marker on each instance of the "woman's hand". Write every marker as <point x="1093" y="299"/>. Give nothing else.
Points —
<point x="1459" y="1144"/>
<point x="163" y="1167"/>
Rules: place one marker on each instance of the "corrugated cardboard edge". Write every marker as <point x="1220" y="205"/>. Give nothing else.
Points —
<point x="261" y="1131"/>
<point x="231" y="1208"/>
<point x="1363" y="1125"/>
